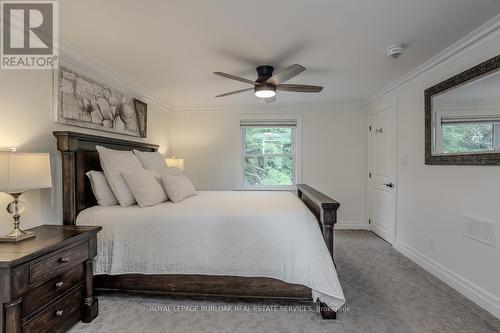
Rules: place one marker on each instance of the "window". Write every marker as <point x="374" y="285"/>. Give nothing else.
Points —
<point x="268" y="158"/>
<point x="466" y="138"/>
<point x="471" y="134"/>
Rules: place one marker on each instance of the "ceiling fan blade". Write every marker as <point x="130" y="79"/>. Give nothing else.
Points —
<point x="237" y="78"/>
<point x="270" y="99"/>
<point x="234" y="92"/>
<point x="286" y="74"/>
<point x="299" y="88"/>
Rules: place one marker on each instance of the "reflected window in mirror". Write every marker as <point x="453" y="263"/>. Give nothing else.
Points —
<point x="461" y="138"/>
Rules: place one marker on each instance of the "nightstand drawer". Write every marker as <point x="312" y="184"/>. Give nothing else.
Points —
<point x="56" y="264"/>
<point x="59" y="316"/>
<point x="43" y="294"/>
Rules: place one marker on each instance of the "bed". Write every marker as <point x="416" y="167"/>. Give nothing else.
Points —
<point x="221" y="243"/>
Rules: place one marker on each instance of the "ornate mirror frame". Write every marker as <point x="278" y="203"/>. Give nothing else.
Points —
<point x="493" y="158"/>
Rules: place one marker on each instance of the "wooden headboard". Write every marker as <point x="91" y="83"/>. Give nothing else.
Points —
<point x="79" y="156"/>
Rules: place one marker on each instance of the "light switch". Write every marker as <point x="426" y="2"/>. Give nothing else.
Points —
<point x="404" y="159"/>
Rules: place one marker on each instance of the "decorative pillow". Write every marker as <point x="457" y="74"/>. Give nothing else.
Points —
<point x="101" y="189"/>
<point x="145" y="186"/>
<point x="113" y="163"/>
<point x="178" y="187"/>
<point x="151" y="160"/>
<point x="170" y="171"/>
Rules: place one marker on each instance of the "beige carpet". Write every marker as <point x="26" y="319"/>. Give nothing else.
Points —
<point x="386" y="292"/>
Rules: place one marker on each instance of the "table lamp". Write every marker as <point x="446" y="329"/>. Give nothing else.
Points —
<point x="21" y="172"/>
<point x="175" y="162"/>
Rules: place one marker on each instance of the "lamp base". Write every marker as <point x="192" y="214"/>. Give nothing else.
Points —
<point x="17" y="237"/>
<point x="16" y="208"/>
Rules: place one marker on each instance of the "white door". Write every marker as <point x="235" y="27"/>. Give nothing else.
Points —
<point x="382" y="188"/>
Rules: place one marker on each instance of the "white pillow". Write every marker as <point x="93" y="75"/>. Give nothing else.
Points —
<point x="101" y="189"/>
<point x="151" y="160"/>
<point x="113" y="163"/>
<point x="145" y="186"/>
<point x="178" y="187"/>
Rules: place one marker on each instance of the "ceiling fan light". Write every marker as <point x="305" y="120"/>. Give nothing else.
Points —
<point x="265" y="91"/>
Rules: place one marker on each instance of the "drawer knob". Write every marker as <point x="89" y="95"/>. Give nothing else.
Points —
<point x="64" y="259"/>
<point x="59" y="313"/>
<point x="59" y="284"/>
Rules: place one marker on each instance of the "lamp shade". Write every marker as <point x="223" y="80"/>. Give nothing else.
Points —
<point x="21" y="172"/>
<point x="175" y="162"/>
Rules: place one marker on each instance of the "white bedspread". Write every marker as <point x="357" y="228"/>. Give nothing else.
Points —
<point x="252" y="234"/>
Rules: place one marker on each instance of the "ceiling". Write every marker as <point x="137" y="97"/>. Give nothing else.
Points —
<point x="170" y="48"/>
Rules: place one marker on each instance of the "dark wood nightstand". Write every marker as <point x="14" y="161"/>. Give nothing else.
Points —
<point x="46" y="281"/>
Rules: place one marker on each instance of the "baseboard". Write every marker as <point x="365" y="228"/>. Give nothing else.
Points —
<point x="349" y="225"/>
<point x="481" y="297"/>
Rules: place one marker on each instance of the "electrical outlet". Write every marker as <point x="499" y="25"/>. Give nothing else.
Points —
<point x="480" y="230"/>
<point x="432" y="245"/>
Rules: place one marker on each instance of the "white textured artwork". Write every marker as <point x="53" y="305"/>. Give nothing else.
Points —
<point x="87" y="103"/>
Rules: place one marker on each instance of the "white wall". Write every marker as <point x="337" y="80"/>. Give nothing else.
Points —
<point x="434" y="200"/>
<point x="333" y="152"/>
<point x="26" y="122"/>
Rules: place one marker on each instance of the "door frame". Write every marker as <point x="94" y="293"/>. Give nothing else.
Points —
<point x="394" y="104"/>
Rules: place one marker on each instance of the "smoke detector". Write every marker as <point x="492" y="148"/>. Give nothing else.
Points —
<point x="395" y="51"/>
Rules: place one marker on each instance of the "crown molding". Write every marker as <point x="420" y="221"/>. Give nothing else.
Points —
<point x="284" y="106"/>
<point x="479" y="34"/>
<point x="69" y="54"/>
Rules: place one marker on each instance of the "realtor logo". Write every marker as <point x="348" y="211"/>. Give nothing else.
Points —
<point x="29" y="33"/>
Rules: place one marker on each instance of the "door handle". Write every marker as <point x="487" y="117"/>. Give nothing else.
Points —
<point x="390" y="185"/>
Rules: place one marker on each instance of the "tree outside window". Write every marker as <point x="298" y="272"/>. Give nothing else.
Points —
<point x="465" y="138"/>
<point x="268" y="158"/>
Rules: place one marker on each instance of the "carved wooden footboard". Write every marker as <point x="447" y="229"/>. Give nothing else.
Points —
<point x="79" y="155"/>
<point x="324" y="208"/>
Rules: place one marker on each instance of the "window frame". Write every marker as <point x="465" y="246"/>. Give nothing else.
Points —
<point x="439" y="137"/>
<point x="296" y="158"/>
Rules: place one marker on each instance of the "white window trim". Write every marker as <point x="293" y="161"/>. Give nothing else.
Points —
<point x="297" y="148"/>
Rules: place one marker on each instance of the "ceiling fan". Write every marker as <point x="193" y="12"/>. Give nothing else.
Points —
<point x="268" y="83"/>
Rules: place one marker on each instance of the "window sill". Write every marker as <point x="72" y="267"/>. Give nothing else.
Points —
<point x="267" y="188"/>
